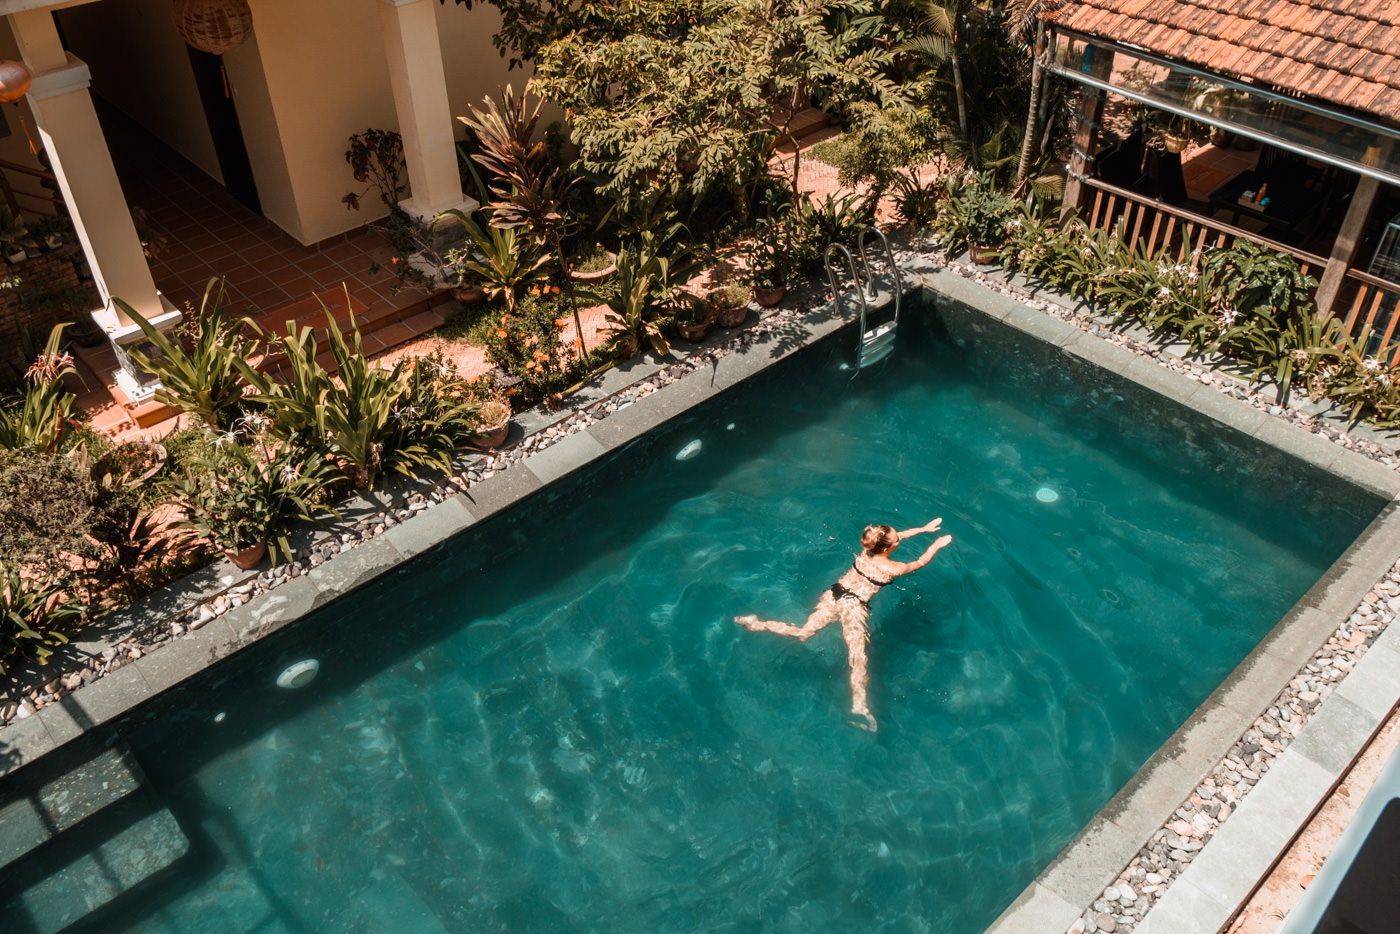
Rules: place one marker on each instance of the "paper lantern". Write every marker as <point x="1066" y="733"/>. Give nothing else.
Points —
<point x="213" y="26"/>
<point x="14" y="81"/>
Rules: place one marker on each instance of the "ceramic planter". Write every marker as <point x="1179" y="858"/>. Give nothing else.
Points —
<point x="492" y="436"/>
<point x="767" y="298"/>
<point x="981" y="255"/>
<point x="731" y="317"/>
<point x="597" y="275"/>
<point x="248" y="558"/>
<point x="695" y="332"/>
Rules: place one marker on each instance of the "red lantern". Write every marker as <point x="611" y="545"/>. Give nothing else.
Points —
<point x="14" y="81"/>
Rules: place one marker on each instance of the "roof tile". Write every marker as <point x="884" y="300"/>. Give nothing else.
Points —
<point x="1346" y="52"/>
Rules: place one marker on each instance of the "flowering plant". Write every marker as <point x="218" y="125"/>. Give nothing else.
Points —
<point x="251" y="490"/>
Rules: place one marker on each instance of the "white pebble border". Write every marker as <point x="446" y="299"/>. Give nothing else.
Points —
<point x="1124" y="902"/>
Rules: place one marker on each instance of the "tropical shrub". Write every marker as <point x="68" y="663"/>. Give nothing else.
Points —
<point x="35" y="615"/>
<point x="438" y="413"/>
<point x="48" y="505"/>
<point x="203" y="381"/>
<point x="43" y="417"/>
<point x="246" y="493"/>
<point x="528" y="344"/>
<point x="815" y="225"/>
<point x="502" y="261"/>
<point x="976" y="212"/>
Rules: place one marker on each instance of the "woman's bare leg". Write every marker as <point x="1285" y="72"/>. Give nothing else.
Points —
<point x="824" y="615"/>
<point x="856" y="630"/>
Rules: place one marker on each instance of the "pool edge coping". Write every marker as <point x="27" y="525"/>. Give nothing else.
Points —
<point x="134" y="684"/>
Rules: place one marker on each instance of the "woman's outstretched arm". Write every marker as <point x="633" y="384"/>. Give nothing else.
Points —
<point x="931" y="527"/>
<point x="938" y="545"/>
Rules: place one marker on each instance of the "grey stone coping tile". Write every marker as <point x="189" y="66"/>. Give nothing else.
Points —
<point x="1336" y="733"/>
<point x="1366" y="473"/>
<point x="1106" y="355"/>
<point x="1228" y="411"/>
<point x="1040" y="325"/>
<point x="1256" y="681"/>
<point x="60" y="723"/>
<point x="430" y="527"/>
<point x="1205" y="736"/>
<point x="498" y="492"/>
<point x="1294" y="640"/>
<point x="22" y="742"/>
<point x="1036" y="911"/>
<point x="1284" y="798"/>
<point x="629" y="423"/>
<point x="1141" y="806"/>
<point x="107" y="697"/>
<point x="1098" y="853"/>
<point x="282" y="605"/>
<point x="1297" y="441"/>
<point x="1149" y="373"/>
<point x="1185" y="909"/>
<point x="350" y="569"/>
<point x="189" y="654"/>
<point x="563" y="457"/>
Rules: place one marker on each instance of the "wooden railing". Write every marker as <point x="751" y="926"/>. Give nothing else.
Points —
<point x="50" y="200"/>
<point x="1159" y="225"/>
<point x="1364" y="300"/>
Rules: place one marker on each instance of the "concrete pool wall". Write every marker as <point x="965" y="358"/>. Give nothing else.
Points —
<point x="1077" y="878"/>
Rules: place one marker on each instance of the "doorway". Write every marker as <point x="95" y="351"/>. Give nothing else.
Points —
<point x="222" y="115"/>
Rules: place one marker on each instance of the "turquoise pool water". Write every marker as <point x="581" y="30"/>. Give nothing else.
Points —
<point x="554" y="725"/>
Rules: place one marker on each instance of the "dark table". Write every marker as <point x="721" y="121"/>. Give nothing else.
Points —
<point x="1289" y="202"/>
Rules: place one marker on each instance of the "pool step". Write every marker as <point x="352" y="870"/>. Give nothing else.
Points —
<point x="76" y="843"/>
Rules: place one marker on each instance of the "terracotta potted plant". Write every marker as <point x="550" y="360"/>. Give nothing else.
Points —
<point x="493" y="425"/>
<point x="769" y="264"/>
<point x="693" y="317"/>
<point x="594" y="266"/>
<point x="979" y="215"/>
<point x="246" y="500"/>
<point x="731" y="304"/>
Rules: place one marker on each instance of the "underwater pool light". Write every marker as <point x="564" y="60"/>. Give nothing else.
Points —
<point x="689" y="451"/>
<point x="298" y="674"/>
<point x="1046" y="495"/>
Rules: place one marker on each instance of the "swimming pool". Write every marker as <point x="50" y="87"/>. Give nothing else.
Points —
<point x="553" y="724"/>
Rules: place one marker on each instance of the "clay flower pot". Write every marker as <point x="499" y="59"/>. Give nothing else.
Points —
<point x="597" y="275"/>
<point x="731" y="317"/>
<point x="767" y="298"/>
<point x="248" y="558"/>
<point x="695" y="332"/>
<point x="981" y="255"/>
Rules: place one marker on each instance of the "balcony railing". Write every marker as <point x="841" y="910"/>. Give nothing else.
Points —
<point x="1364" y="300"/>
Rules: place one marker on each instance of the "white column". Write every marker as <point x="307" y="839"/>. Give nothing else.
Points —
<point x="68" y="125"/>
<point x="416" y="75"/>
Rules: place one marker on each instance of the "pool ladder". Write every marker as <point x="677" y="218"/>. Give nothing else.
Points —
<point x="875" y="344"/>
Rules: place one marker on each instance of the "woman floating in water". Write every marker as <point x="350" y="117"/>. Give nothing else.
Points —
<point x="849" y="601"/>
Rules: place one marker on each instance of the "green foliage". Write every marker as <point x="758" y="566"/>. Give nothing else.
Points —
<point x="202" y="380"/>
<point x="881" y="146"/>
<point x="502" y="261"/>
<point x="643" y="277"/>
<point x="14" y="233"/>
<point x="35" y="615"/>
<point x="376" y="159"/>
<point x="438" y="412"/>
<point x="48" y="505"/>
<point x="976" y="212"/>
<point x="43" y="417"/>
<point x="528" y="344"/>
<point x="815" y="225"/>
<point x="693" y="99"/>
<point x="245" y="493"/>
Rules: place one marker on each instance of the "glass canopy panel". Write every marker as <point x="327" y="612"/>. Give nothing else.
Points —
<point x="1329" y="136"/>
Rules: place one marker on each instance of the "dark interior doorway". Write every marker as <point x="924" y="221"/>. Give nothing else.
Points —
<point x="222" y="115"/>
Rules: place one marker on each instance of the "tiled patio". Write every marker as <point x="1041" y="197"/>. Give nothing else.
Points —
<point x="195" y="230"/>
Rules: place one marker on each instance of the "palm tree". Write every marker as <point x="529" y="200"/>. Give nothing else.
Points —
<point x="939" y="22"/>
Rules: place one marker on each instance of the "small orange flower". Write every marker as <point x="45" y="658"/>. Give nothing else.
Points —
<point x="556" y="290"/>
<point x="511" y="391"/>
<point x="578" y="342"/>
<point x="534" y="290"/>
<point x="501" y="333"/>
<point x="560" y="323"/>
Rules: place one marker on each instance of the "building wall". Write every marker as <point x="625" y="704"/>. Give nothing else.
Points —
<point x="140" y="66"/>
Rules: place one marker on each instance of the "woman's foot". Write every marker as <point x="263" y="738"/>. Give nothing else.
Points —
<point x="865" y="720"/>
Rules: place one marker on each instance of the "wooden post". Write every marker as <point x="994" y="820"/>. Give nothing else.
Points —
<point x="1086" y="131"/>
<point x="1344" y="247"/>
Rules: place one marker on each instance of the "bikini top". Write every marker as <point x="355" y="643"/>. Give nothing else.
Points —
<point x="861" y="582"/>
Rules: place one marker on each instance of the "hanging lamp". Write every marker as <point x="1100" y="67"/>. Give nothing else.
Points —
<point x="14" y="81"/>
<point x="213" y="26"/>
